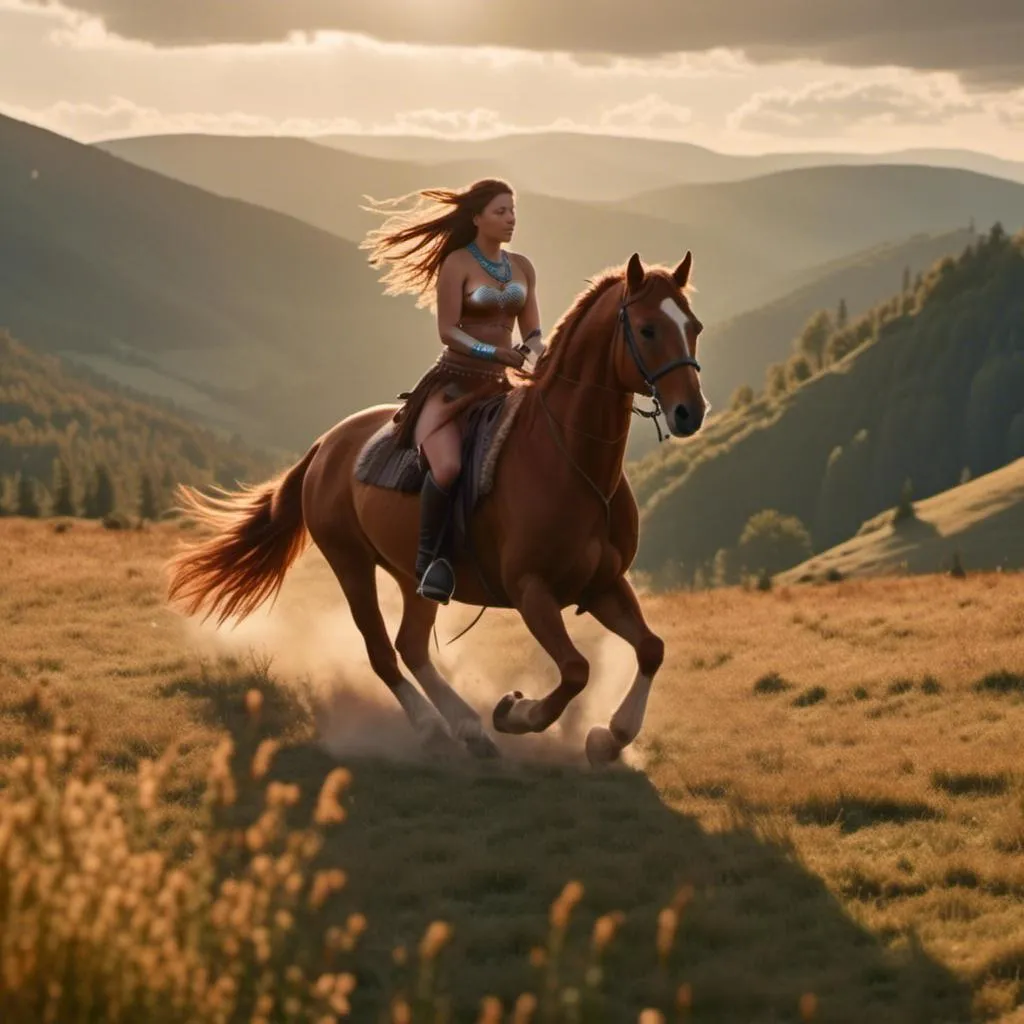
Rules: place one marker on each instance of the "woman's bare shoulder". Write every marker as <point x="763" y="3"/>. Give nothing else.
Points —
<point x="523" y="261"/>
<point x="455" y="263"/>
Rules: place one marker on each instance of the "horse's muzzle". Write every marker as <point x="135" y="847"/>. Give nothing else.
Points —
<point x="685" y="421"/>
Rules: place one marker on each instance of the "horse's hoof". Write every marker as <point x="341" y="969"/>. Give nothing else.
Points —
<point x="602" y="747"/>
<point x="510" y="714"/>
<point x="438" y="741"/>
<point x="480" y="745"/>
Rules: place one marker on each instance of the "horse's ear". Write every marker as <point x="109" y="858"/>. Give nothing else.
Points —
<point x="635" y="273"/>
<point x="682" y="273"/>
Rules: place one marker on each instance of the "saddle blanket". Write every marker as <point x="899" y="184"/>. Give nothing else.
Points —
<point x="382" y="464"/>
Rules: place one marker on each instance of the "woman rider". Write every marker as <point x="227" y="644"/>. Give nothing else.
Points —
<point x="453" y="258"/>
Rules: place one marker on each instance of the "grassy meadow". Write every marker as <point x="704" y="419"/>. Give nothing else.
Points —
<point x="823" y="818"/>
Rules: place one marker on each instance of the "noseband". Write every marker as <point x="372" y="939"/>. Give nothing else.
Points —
<point x="650" y="379"/>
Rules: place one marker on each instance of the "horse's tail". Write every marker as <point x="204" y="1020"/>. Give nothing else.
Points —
<point x="260" y="532"/>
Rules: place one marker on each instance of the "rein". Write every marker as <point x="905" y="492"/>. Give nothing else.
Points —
<point x="606" y="501"/>
<point x="650" y="380"/>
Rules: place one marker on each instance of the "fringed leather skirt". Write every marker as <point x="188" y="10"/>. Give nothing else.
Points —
<point x="463" y="386"/>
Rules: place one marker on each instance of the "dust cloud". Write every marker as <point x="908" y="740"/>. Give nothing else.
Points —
<point x="310" y="642"/>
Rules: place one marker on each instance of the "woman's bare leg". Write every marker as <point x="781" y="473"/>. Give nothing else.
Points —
<point x="441" y="443"/>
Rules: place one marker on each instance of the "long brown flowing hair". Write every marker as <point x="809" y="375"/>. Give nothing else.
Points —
<point x="416" y="238"/>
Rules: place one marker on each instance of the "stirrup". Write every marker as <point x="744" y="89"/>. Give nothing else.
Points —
<point x="438" y="582"/>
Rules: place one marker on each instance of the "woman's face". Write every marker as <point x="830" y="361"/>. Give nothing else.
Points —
<point x="498" y="220"/>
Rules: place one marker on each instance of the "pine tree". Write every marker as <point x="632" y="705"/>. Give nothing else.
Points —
<point x="28" y="501"/>
<point x="101" y="498"/>
<point x="798" y="369"/>
<point x="906" y="280"/>
<point x="148" y="507"/>
<point x="842" y="315"/>
<point x="775" y="380"/>
<point x="63" y="502"/>
<point x="905" y="509"/>
<point x="814" y="339"/>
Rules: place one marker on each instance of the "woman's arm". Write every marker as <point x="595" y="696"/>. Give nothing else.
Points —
<point x="529" y="317"/>
<point x="450" y="281"/>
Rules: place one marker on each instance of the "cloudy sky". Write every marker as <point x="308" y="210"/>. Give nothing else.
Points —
<point x="736" y="75"/>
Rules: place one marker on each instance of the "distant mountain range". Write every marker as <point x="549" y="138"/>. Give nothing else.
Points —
<point x="768" y="251"/>
<point x="582" y="166"/>
<point x="222" y="273"/>
<point x="753" y="240"/>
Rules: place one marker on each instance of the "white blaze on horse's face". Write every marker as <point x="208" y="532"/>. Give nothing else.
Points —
<point x="678" y="316"/>
<point x="685" y="416"/>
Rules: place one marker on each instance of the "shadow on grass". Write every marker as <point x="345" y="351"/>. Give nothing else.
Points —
<point x="853" y="813"/>
<point x="222" y="702"/>
<point x="487" y="847"/>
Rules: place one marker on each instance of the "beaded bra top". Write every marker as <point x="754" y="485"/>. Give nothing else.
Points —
<point x="486" y="299"/>
<point x="509" y="297"/>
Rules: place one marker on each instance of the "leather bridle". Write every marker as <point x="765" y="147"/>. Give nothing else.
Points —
<point x="650" y="379"/>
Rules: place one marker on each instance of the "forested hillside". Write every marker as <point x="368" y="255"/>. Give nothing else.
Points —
<point x="252" y="320"/>
<point x="70" y="446"/>
<point x="739" y="351"/>
<point x="919" y="393"/>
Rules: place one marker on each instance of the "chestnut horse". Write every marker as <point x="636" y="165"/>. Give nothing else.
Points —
<point x="558" y="528"/>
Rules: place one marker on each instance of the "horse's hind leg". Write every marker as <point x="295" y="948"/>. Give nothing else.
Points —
<point x="618" y="609"/>
<point x="413" y="645"/>
<point x="356" y="573"/>
<point x="543" y="617"/>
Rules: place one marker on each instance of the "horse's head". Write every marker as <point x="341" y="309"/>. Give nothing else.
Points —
<point x="657" y="354"/>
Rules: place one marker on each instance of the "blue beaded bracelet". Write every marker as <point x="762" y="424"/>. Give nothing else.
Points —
<point x="483" y="350"/>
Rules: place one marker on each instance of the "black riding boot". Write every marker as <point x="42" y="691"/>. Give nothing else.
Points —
<point x="433" y="568"/>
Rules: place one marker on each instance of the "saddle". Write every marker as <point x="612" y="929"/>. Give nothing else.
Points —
<point x="383" y="463"/>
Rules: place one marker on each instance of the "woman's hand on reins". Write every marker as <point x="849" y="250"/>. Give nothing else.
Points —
<point x="514" y="357"/>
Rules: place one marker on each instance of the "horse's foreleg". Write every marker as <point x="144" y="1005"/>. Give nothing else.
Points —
<point x="543" y="617"/>
<point x="357" y="577"/>
<point x="618" y="610"/>
<point x="413" y="645"/>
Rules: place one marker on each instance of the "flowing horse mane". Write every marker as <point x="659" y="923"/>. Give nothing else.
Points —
<point x="552" y="359"/>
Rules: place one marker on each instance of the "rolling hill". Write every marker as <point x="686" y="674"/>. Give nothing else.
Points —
<point x="936" y="387"/>
<point x="594" y="166"/>
<point x="568" y="241"/>
<point x="819" y="214"/>
<point x="323" y="187"/>
<point x="259" y="321"/>
<point x="981" y="521"/>
<point x="753" y="241"/>
<point x="50" y="410"/>
<point x="253" y="320"/>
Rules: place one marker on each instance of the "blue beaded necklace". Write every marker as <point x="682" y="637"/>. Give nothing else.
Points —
<point x="501" y="272"/>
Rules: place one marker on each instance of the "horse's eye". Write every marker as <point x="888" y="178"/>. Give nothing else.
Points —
<point x="648" y="332"/>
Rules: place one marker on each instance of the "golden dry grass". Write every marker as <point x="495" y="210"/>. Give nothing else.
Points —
<point x="828" y="783"/>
